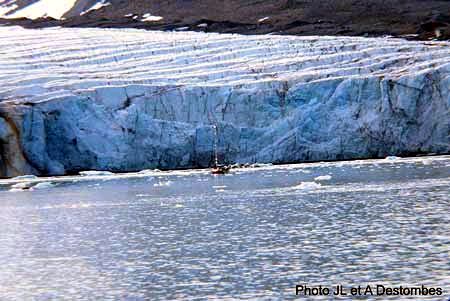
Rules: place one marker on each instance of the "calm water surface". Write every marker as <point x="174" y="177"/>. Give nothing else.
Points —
<point x="253" y="234"/>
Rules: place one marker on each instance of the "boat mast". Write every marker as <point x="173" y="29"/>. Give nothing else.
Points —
<point x="216" y="156"/>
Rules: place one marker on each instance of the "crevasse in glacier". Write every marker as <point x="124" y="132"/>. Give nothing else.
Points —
<point x="125" y="100"/>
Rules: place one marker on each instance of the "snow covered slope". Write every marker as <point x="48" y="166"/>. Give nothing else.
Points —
<point x="122" y="100"/>
<point x="44" y="8"/>
<point x="56" y="9"/>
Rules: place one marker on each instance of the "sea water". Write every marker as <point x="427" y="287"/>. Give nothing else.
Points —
<point x="253" y="234"/>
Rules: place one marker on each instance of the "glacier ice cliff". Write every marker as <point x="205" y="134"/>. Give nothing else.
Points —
<point x="126" y="100"/>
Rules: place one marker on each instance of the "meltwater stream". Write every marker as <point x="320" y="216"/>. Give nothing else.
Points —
<point x="253" y="234"/>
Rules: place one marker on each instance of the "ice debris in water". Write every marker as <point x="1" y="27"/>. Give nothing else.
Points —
<point x="43" y="185"/>
<point x="307" y="186"/>
<point x="160" y="184"/>
<point x="95" y="173"/>
<point x="427" y="162"/>
<point x="148" y="171"/>
<point x="392" y="158"/>
<point x="323" y="178"/>
<point x="25" y="177"/>
<point x="22" y="185"/>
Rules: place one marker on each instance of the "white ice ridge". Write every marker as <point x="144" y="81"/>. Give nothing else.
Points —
<point x="41" y="8"/>
<point x="125" y="99"/>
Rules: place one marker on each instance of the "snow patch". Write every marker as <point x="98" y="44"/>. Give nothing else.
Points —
<point x="149" y="18"/>
<point x="4" y="10"/>
<point x="262" y="20"/>
<point x="44" y="8"/>
<point x="96" y="6"/>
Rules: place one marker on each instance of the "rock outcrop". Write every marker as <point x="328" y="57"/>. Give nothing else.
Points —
<point x="126" y="100"/>
<point x="412" y="19"/>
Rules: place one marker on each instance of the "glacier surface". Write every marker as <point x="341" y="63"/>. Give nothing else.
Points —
<point x="126" y="100"/>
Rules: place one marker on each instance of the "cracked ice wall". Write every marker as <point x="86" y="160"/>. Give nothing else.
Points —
<point x="123" y="100"/>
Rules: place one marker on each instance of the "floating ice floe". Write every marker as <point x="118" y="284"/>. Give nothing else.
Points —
<point x="307" y="186"/>
<point x="161" y="184"/>
<point x="427" y="162"/>
<point x="43" y="185"/>
<point x="22" y="185"/>
<point x="30" y="186"/>
<point x="392" y="158"/>
<point x="323" y="178"/>
<point x="25" y="177"/>
<point x="220" y="188"/>
<point x="148" y="172"/>
<point x="95" y="173"/>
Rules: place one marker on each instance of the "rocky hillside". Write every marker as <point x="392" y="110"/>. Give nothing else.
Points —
<point x="418" y="19"/>
<point x="124" y="100"/>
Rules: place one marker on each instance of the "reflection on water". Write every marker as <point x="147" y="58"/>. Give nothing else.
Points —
<point x="253" y="234"/>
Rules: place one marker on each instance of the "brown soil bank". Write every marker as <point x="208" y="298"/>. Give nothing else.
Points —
<point x="418" y="19"/>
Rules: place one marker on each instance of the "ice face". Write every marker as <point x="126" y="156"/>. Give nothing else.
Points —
<point x="126" y="100"/>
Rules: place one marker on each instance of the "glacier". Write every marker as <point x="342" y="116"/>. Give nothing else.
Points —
<point x="74" y="99"/>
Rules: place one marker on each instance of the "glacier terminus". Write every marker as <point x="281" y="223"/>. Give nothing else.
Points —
<point x="74" y="99"/>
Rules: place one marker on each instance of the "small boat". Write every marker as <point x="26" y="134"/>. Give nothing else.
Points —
<point x="220" y="170"/>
